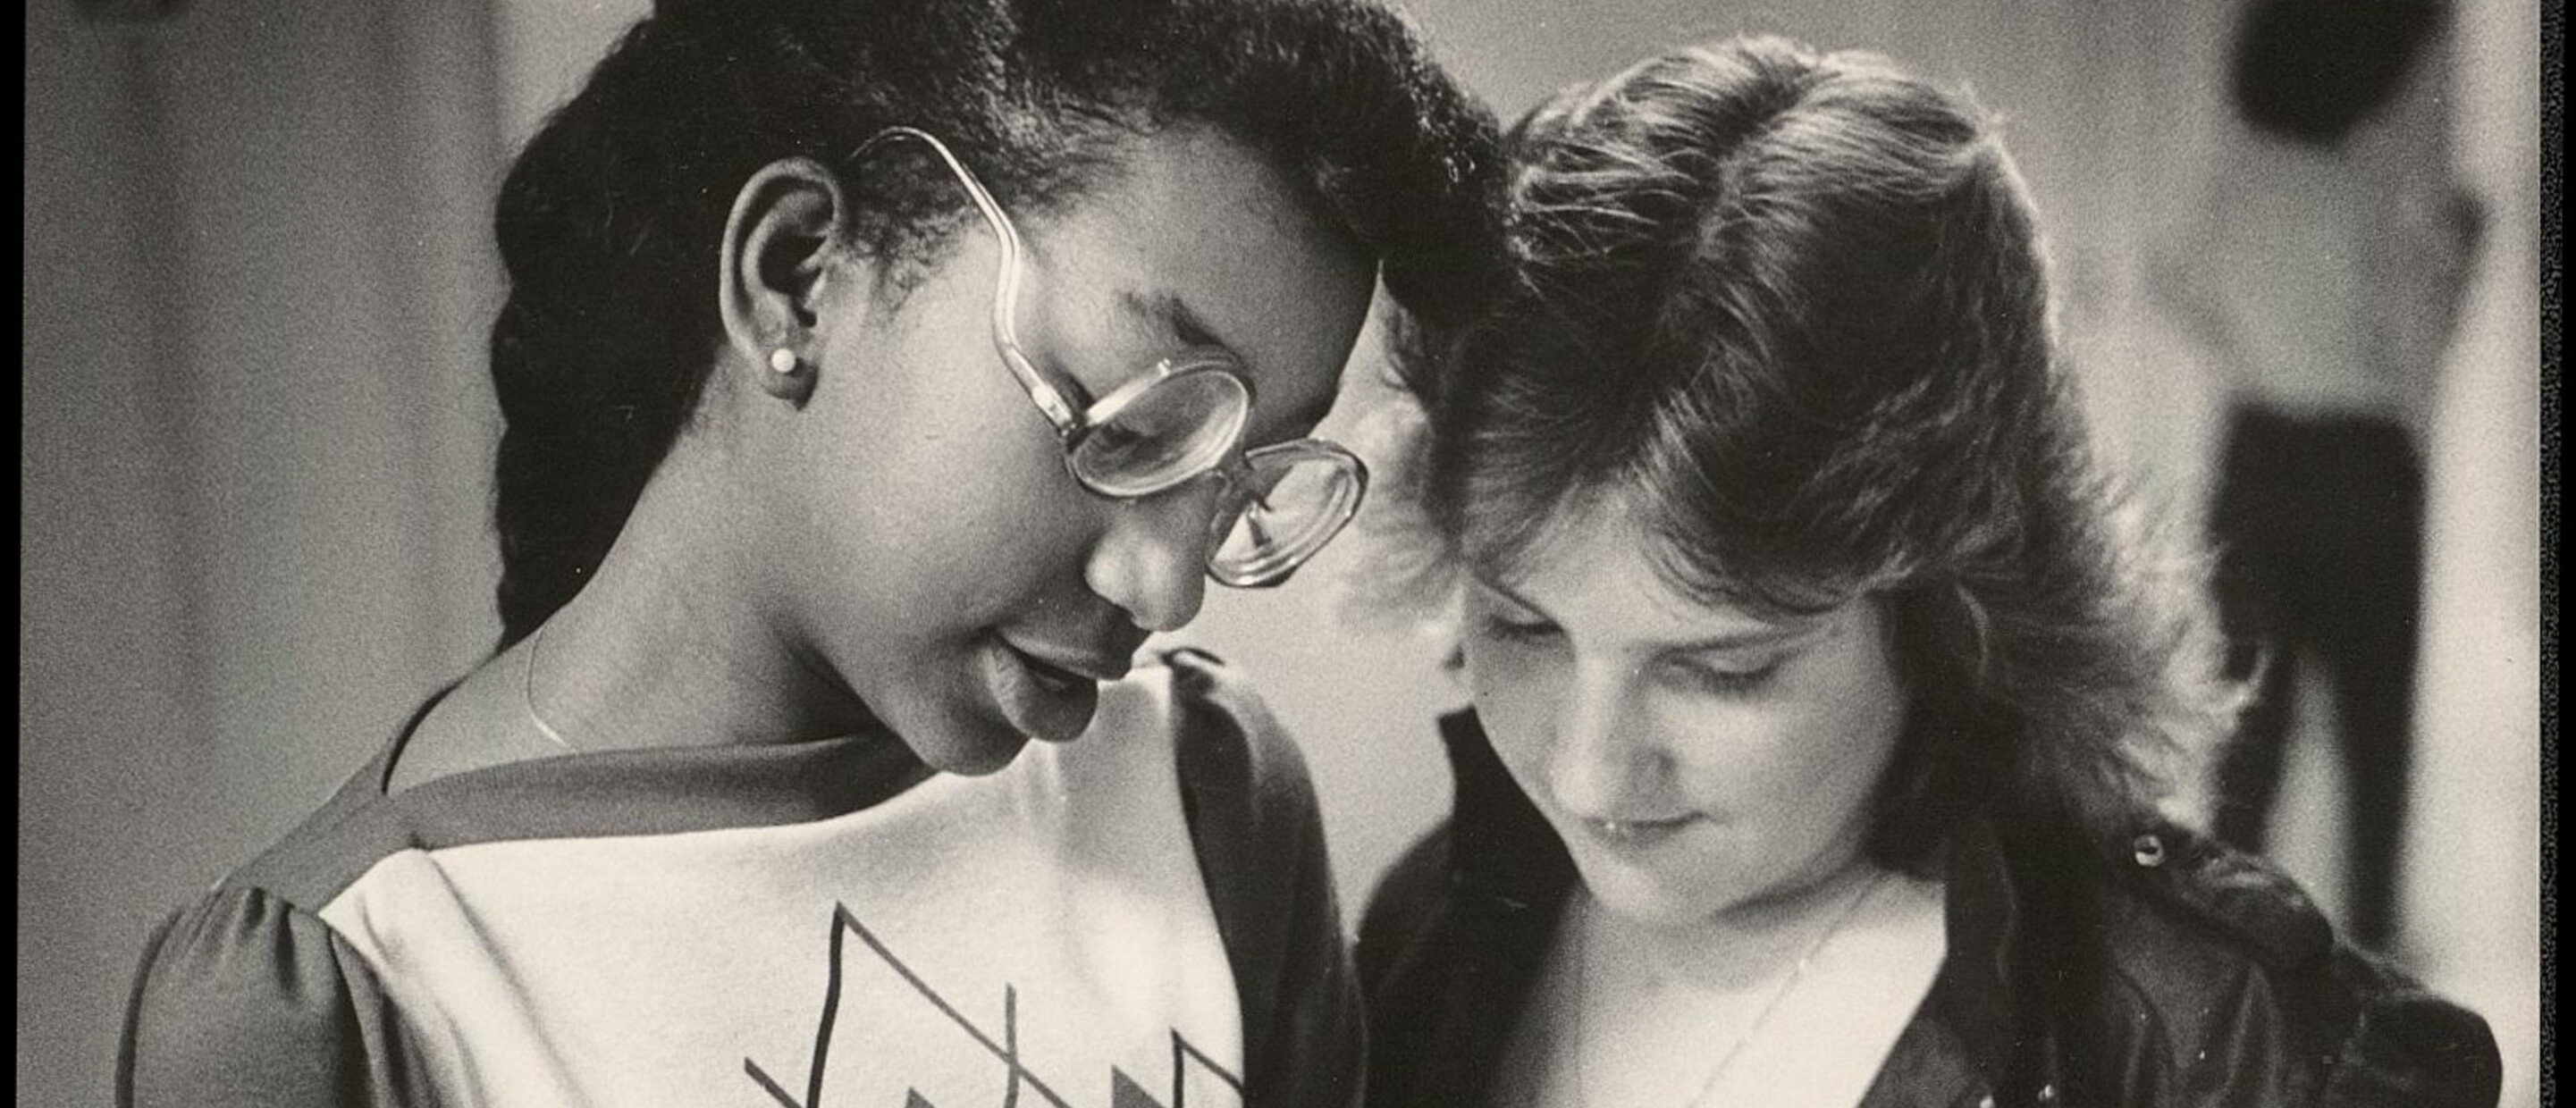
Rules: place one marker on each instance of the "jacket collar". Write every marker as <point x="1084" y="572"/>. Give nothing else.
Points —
<point x="1512" y="874"/>
<point x="1502" y="848"/>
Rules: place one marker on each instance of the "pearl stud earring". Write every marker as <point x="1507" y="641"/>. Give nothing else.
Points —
<point x="782" y="360"/>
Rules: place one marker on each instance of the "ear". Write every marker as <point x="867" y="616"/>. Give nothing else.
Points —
<point x="780" y="240"/>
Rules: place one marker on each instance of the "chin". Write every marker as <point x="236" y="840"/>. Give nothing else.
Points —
<point x="965" y="747"/>
<point x="1687" y="893"/>
<point x="1639" y="895"/>
<point x="976" y="757"/>
<point x="1659" y="912"/>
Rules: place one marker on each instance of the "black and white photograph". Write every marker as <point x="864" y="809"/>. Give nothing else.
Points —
<point x="1288" y="553"/>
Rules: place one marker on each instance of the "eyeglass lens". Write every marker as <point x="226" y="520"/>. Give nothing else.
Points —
<point x="1285" y="508"/>
<point x="1281" y="506"/>
<point x="1179" y="427"/>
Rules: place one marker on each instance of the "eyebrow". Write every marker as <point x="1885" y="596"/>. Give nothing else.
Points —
<point x="1177" y="318"/>
<point x="1185" y="325"/>
<point x="1767" y="634"/>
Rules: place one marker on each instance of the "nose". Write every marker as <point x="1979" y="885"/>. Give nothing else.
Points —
<point x="1606" y="758"/>
<point x="1152" y="561"/>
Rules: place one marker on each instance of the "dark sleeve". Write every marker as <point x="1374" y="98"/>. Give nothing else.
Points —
<point x="2244" y="972"/>
<point x="247" y="1000"/>
<point x="2409" y="1047"/>
<point x="1260" y="843"/>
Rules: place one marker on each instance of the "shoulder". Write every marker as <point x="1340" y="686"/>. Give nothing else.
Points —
<point x="2216" y="964"/>
<point x="1238" y="766"/>
<point x="1260" y="842"/>
<point x="245" y="998"/>
<point x="1244" y="790"/>
<point x="2168" y="893"/>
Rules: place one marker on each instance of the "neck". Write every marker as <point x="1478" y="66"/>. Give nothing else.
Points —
<point x="670" y="645"/>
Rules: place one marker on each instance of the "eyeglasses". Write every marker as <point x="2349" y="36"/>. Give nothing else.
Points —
<point x="1178" y="420"/>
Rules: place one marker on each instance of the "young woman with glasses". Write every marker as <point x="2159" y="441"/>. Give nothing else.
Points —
<point x="876" y="376"/>
<point x="1824" y="692"/>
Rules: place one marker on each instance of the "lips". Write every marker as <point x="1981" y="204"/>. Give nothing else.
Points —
<point x="1048" y="697"/>
<point x="1627" y="835"/>
<point x="1067" y="670"/>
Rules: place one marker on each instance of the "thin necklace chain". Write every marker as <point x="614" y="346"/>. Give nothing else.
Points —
<point x="528" y="690"/>
<point x="1797" y="973"/>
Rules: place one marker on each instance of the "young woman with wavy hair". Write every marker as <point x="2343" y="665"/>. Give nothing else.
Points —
<point x="1826" y="690"/>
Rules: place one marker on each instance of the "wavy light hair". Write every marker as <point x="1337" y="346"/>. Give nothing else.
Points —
<point x="1793" y="308"/>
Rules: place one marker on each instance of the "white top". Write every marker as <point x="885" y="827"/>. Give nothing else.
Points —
<point x="1039" y="936"/>
<point x="1832" y="1032"/>
<point x="1666" y="1043"/>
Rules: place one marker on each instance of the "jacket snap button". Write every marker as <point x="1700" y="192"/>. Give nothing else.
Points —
<point x="2150" y="849"/>
<point x="2048" y="1094"/>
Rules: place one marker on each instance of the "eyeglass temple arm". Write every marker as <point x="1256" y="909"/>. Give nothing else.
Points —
<point x="1006" y="284"/>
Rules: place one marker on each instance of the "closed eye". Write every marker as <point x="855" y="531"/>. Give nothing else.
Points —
<point x="1714" y="680"/>
<point x="1510" y="630"/>
<point x="1115" y="437"/>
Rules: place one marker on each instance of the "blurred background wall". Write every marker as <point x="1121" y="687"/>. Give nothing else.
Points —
<point x="256" y="431"/>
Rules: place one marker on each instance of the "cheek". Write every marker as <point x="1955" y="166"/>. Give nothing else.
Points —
<point x="932" y="497"/>
<point x="936" y="517"/>
<point x="1868" y="709"/>
<point x="1848" y="706"/>
<point x="1812" y="761"/>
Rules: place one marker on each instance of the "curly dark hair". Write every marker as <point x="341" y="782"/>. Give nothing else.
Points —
<point x="610" y="219"/>
<point x="1793" y="308"/>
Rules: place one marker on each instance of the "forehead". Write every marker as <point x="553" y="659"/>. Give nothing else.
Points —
<point x="1187" y="218"/>
<point x="1594" y="572"/>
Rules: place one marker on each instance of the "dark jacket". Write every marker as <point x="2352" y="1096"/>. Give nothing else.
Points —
<point x="2168" y="972"/>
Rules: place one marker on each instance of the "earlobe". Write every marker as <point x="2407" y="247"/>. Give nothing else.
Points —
<point x="787" y="378"/>
<point x="780" y="240"/>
